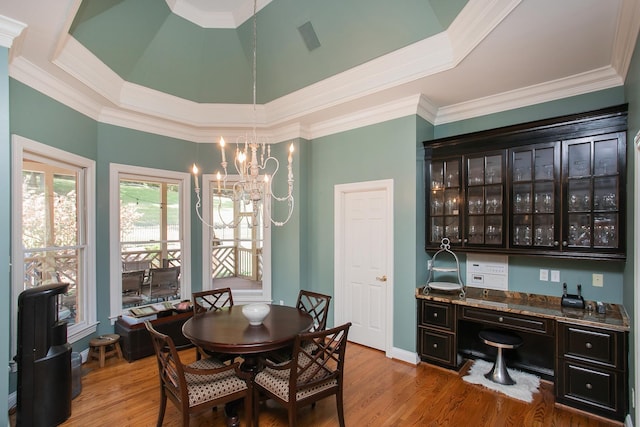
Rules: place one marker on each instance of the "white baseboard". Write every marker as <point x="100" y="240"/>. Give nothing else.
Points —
<point x="405" y="356"/>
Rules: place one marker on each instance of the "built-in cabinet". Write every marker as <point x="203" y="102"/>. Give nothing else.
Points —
<point x="553" y="187"/>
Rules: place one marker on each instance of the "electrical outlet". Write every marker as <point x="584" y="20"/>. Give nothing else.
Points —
<point x="598" y="280"/>
<point x="281" y="302"/>
<point x="555" y="275"/>
<point x="544" y="275"/>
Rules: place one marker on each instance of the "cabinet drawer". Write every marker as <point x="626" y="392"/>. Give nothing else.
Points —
<point x="508" y="320"/>
<point x="591" y="388"/>
<point x="437" y="314"/>
<point x="600" y="346"/>
<point x="437" y="346"/>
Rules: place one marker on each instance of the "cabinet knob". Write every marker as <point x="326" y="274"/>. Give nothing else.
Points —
<point x="500" y="319"/>
<point x="435" y="346"/>
<point x="556" y="243"/>
<point x="466" y="240"/>
<point x="564" y="243"/>
<point x="589" y="345"/>
<point x="589" y="386"/>
<point x="435" y="315"/>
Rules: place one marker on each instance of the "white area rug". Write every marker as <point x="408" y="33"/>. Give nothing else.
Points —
<point x="526" y="384"/>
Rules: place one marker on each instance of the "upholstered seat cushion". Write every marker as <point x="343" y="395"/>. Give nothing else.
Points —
<point x="202" y="388"/>
<point x="277" y="381"/>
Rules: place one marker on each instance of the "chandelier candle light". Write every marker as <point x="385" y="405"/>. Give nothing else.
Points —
<point x="250" y="187"/>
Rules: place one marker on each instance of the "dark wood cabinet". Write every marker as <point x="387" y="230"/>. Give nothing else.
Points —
<point x="553" y="188"/>
<point x="591" y="370"/>
<point x="437" y="333"/>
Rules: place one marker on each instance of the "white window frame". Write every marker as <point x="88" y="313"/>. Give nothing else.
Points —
<point x="116" y="172"/>
<point x="209" y="181"/>
<point x="87" y="214"/>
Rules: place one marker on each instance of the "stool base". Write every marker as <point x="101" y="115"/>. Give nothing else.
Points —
<point x="499" y="373"/>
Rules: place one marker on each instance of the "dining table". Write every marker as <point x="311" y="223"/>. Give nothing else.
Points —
<point x="228" y="331"/>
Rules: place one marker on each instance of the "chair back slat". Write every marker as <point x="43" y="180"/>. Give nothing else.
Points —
<point x="132" y="281"/>
<point x="317" y="305"/>
<point x="318" y="358"/>
<point x="211" y="300"/>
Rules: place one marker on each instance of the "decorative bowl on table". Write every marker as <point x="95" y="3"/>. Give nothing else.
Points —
<point x="255" y="313"/>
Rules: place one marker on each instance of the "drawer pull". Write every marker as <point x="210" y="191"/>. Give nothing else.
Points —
<point x="589" y="345"/>
<point x="500" y="319"/>
<point x="435" y="346"/>
<point x="589" y="386"/>
<point x="435" y="315"/>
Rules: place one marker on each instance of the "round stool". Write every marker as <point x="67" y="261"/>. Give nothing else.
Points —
<point x="105" y="346"/>
<point x="501" y="340"/>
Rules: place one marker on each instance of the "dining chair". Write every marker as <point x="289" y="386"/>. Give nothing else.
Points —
<point x="317" y="306"/>
<point x="308" y="376"/>
<point x="132" y="287"/>
<point x="163" y="282"/>
<point x="212" y="300"/>
<point x="199" y="386"/>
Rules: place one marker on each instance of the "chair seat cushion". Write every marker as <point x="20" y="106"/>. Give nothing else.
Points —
<point x="277" y="381"/>
<point x="202" y="388"/>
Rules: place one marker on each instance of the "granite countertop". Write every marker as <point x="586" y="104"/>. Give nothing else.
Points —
<point x="536" y="305"/>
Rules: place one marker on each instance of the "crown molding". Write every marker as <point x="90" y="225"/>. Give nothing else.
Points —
<point x="626" y="35"/>
<point x="10" y="29"/>
<point x="206" y="18"/>
<point x="599" y="79"/>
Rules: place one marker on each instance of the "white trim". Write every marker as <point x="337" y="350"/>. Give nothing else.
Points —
<point x="239" y="296"/>
<point x="10" y="29"/>
<point x="340" y="191"/>
<point x="115" y="266"/>
<point x="19" y="146"/>
<point x="215" y="19"/>
<point x="410" y="357"/>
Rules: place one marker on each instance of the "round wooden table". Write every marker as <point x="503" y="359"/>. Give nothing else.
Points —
<point x="228" y="331"/>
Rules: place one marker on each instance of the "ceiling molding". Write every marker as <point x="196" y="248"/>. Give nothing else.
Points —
<point x="603" y="78"/>
<point x="208" y="18"/>
<point x="626" y="36"/>
<point x="10" y="29"/>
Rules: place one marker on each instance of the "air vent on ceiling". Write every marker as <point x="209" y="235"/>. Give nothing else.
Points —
<point x="309" y="36"/>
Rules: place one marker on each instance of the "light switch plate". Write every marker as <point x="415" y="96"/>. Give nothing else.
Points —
<point x="544" y="275"/>
<point x="598" y="280"/>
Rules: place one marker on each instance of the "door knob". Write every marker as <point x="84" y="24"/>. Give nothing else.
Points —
<point x="382" y="278"/>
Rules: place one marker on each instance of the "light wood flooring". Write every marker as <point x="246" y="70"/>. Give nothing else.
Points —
<point x="378" y="392"/>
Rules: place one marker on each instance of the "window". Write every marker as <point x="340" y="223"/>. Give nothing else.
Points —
<point x="54" y="211"/>
<point x="149" y="237"/>
<point x="239" y="257"/>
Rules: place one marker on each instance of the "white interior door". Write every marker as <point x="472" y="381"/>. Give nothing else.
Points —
<point x="364" y="252"/>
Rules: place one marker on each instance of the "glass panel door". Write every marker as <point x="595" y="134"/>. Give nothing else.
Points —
<point x="444" y="197"/>
<point x="485" y="200"/>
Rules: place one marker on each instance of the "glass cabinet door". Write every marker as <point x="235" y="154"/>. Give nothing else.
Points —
<point x="592" y="193"/>
<point x="444" y="197"/>
<point x="533" y="196"/>
<point x="485" y="200"/>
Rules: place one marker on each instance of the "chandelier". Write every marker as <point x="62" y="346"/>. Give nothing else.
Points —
<point x="252" y="186"/>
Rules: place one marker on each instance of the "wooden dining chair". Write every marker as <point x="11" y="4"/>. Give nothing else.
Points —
<point x="212" y="300"/>
<point x="308" y="376"/>
<point x="199" y="386"/>
<point x="317" y="305"/>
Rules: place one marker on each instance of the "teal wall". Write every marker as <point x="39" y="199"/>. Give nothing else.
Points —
<point x="383" y="151"/>
<point x="5" y="225"/>
<point x="632" y="92"/>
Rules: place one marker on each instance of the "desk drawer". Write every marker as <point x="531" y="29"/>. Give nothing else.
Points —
<point x="437" y="314"/>
<point x="437" y="346"/>
<point x="600" y="346"/>
<point x="508" y="320"/>
<point x="591" y="389"/>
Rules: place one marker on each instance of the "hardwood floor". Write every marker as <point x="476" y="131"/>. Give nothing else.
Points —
<point x="378" y="392"/>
